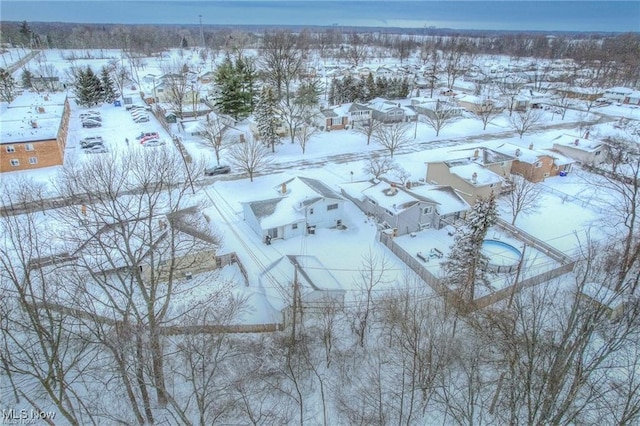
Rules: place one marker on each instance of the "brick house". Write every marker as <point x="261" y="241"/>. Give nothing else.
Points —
<point x="34" y="132"/>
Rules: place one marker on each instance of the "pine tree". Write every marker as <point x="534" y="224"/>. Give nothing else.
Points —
<point x="235" y="82"/>
<point x="88" y="88"/>
<point x="107" y="85"/>
<point x="26" y="77"/>
<point x="465" y="266"/>
<point x="371" y="90"/>
<point x="266" y="117"/>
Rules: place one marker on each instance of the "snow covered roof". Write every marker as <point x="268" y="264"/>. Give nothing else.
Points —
<point x="575" y="142"/>
<point x="313" y="277"/>
<point x="481" y="155"/>
<point x="447" y="199"/>
<point x="289" y="197"/>
<point x="558" y="158"/>
<point x="32" y="117"/>
<point x="525" y="155"/>
<point x="390" y="198"/>
<point x="619" y="90"/>
<point x="475" y="174"/>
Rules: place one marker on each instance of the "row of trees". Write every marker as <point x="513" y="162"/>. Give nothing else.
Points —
<point x="92" y="90"/>
<point x="350" y="89"/>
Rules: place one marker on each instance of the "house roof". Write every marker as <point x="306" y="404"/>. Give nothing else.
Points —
<point x="582" y="144"/>
<point x="483" y="176"/>
<point x="524" y="155"/>
<point x="392" y="199"/>
<point x="290" y="197"/>
<point x="485" y="156"/>
<point x="447" y="199"/>
<point x="31" y="117"/>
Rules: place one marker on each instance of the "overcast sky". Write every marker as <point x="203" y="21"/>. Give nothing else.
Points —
<point x="617" y="16"/>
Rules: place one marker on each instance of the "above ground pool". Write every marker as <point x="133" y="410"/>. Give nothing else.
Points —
<point x="502" y="257"/>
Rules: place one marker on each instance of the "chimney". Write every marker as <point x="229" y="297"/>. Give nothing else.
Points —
<point x="476" y="153"/>
<point x="34" y="124"/>
<point x="586" y="135"/>
<point x="531" y="146"/>
<point x="283" y="188"/>
<point x="576" y="142"/>
<point x="40" y="110"/>
<point x="518" y="152"/>
<point x="474" y="177"/>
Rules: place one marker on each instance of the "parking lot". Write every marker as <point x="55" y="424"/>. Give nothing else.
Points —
<point x="108" y="128"/>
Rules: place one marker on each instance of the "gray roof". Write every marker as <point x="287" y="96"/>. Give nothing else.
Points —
<point x="321" y="188"/>
<point x="264" y="208"/>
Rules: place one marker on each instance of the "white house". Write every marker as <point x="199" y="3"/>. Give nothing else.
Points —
<point x="617" y="94"/>
<point x="295" y="206"/>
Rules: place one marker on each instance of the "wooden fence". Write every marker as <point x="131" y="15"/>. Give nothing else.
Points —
<point x="464" y="306"/>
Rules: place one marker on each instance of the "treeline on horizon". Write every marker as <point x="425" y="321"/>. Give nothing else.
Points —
<point x="150" y="39"/>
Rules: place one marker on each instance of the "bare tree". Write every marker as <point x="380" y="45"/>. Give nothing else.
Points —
<point x="523" y="121"/>
<point x="132" y="253"/>
<point x="368" y="129"/>
<point x="393" y="137"/>
<point x="357" y="51"/>
<point x="45" y="356"/>
<point x="373" y="274"/>
<point x="524" y="196"/>
<point x="176" y="80"/>
<point x="378" y="165"/>
<point x="214" y="135"/>
<point x="443" y="115"/>
<point x="304" y="135"/>
<point x="251" y="157"/>
<point x="282" y="60"/>
<point x="486" y="112"/>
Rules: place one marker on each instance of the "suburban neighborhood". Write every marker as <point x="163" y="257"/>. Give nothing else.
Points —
<point x="319" y="225"/>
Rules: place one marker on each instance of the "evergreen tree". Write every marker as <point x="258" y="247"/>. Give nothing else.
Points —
<point x="371" y="90"/>
<point x="266" y="117"/>
<point x="465" y="266"/>
<point x="26" y="77"/>
<point x="107" y="86"/>
<point x="404" y="88"/>
<point x="308" y="93"/>
<point x="88" y="88"/>
<point x="235" y="82"/>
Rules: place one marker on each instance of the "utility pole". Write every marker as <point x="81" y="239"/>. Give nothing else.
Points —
<point x="201" y="31"/>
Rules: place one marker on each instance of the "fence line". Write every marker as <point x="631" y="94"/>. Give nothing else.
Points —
<point x="464" y="306"/>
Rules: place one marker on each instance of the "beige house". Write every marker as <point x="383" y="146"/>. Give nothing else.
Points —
<point x="473" y="173"/>
<point x="582" y="150"/>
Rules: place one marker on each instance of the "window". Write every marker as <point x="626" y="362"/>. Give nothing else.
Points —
<point x="427" y="210"/>
<point x="11" y="148"/>
<point x="597" y="153"/>
<point x="546" y="175"/>
<point x="15" y="163"/>
<point x="294" y="226"/>
<point x="311" y="210"/>
<point x="538" y="164"/>
<point x="332" y="207"/>
<point x="33" y="160"/>
<point x="29" y="147"/>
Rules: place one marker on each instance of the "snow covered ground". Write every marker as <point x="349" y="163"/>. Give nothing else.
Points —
<point x="570" y="208"/>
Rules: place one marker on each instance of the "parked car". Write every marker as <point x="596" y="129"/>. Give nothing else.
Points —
<point x="134" y="106"/>
<point x="217" y="170"/>
<point x="141" y="119"/>
<point x="98" y="149"/>
<point x="92" y="144"/>
<point x="90" y="122"/>
<point x="145" y="136"/>
<point x="90" y="139"/>
<point x="153" y="142"/>
<point x="90" y="117"/>
<point x="139" y="112"/>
